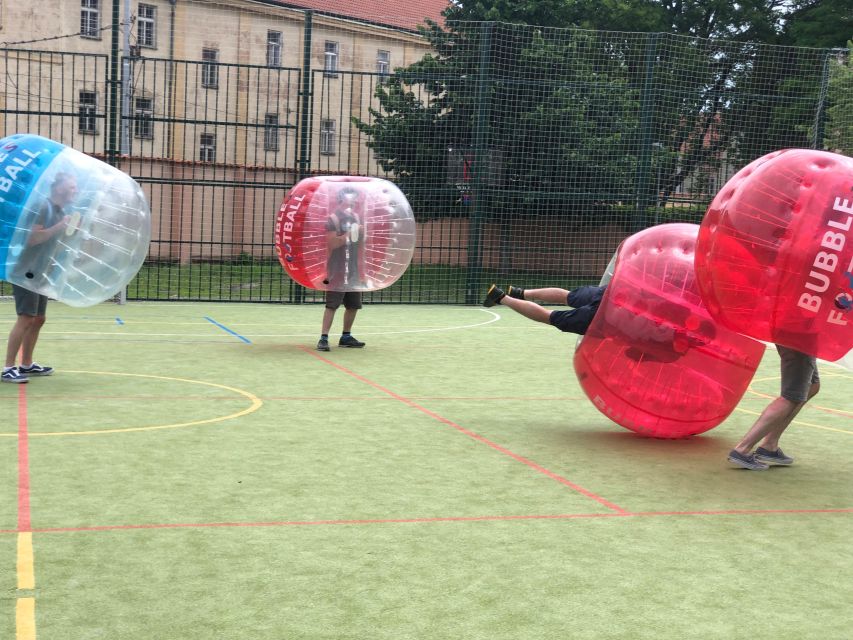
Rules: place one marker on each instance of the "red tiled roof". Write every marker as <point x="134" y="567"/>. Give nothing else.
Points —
<point x="407" y="14"/>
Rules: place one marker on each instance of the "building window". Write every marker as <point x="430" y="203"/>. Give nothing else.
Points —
<point x="145" y="26"/>
<point x="271" y="132"/>
<point x="143" y="123"/>
<point x="330" y="62"/>
<point x="209" y="69"/>
<point x="383" y="62"/>
<point x="327" y="137"/>
<point x="87" y="110"/>
<point x="90" y="18"/>
<point x="207" y="147"/>
<point x="274" y="48"/>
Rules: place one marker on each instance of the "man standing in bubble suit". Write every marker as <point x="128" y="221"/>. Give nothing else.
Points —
<point x="800" y="383"/>
<point x="343" y="240"/>
<point x="35" y="260"/>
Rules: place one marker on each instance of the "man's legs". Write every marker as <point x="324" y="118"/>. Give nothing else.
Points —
<point x="528" y="309"/>
<point x="553" y="295"/>
<point x="328" y="317"/>
<point x="772" y="422"/>
<point x="23" y="338"/>
<point x="349" y="318"/>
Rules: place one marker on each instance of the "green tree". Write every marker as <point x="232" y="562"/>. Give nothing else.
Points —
<point x="578" y="120"/>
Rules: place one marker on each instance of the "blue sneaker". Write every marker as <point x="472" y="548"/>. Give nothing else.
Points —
<point x="772" y="457"/>
<point x="35" y="369"/>
<point x="14" y="376"/>
<point x="747" y="461"/>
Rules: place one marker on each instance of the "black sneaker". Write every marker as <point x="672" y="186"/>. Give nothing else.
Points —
<point x="515" y="292"/>
<point x="772" y="457"/>
<point x="747" y="461"/>
<point x="13" y="375"/>
<point x="350" y="341"/>
<point x="35" y="369"/>
<point x="494" y="296"/>
<point x="323" y="345"/>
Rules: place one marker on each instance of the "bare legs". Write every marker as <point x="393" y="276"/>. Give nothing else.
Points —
<point x="23" y="337"/>
<point x="329" y="316"/>
<point x="554" y="295"/>
<point x="772" y="422"/>
<point x="532" y="310"/>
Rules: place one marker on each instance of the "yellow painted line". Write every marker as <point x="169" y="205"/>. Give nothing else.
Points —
<point x="26" y="574"/>
<point x="256" y="404"/>
<point x="25" y="619"/>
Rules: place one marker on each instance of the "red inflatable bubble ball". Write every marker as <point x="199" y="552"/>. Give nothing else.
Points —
<point x="774" y="257"/>
<point x="653" y="360"/>
<point x="344" y="233"/>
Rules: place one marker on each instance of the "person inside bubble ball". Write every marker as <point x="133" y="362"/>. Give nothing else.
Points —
<point x="343" y="241"/>
<point x="35" y="260"/>
<point x="652" y="340"/>
<point x="800" y="383"/>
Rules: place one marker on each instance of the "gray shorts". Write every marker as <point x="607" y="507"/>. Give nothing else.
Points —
<point x="28" y="303"/>
<point x="350" y="299"/>
<point x="799" y="373"/>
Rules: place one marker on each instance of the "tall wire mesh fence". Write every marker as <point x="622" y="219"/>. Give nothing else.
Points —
<point x="527" y="153"/>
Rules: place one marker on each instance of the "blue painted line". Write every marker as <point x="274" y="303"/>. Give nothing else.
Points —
<point x="224" y="328"/>
<point x="119" y="321"/>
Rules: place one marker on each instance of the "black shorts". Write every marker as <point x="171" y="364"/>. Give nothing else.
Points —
<point x="29" y="303"/>
<point x="350" y="299"/>
<point x="585" y="301"/>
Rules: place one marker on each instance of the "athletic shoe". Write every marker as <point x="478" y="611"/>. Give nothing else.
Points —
<point x="323" y="345"/>
<point x="515" y="292"/>
<point x="13" y="375"/>
<point x="350" y="341"/>
<point x="494" y="296"/>
<point x="747" y="461"/>
<point x="772" y="457"/>
<point x="35" y="369"/>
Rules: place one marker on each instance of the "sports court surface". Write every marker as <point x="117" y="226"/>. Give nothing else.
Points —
<point x="200" y="471"/>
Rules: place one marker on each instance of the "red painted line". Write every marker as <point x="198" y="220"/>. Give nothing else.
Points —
<point x="439" y="519"/>
<point x="471" y="434"/>
<point x="24" y="523"/>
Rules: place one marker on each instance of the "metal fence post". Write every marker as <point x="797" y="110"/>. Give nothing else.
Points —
<point x="481" y="127"/>
<point x="644" y="160"/>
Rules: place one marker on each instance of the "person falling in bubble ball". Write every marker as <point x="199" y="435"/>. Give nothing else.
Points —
<point x="583" y="300"/>
<point x="343" y="241"/>
<point x="35" y="259"/>
<point x="653" y="340"/>
<point x="800" y="383"/>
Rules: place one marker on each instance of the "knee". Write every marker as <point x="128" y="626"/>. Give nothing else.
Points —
<point x="813" y="391"/>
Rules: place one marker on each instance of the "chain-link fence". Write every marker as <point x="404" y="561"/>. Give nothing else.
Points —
<point x="527" y="153"/>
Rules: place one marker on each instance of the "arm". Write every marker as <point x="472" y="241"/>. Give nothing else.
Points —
<point x="40" y="234"/>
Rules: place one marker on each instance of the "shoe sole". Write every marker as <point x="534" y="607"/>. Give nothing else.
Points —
<point x="774" y="462"/>
<point x="351" y="346"/>
<point x="741" y="465"/>
<point x="32" y="374"/>
<point x="24" y="381"/>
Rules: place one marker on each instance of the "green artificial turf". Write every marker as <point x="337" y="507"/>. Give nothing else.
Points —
<point x="199" y="471"/>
